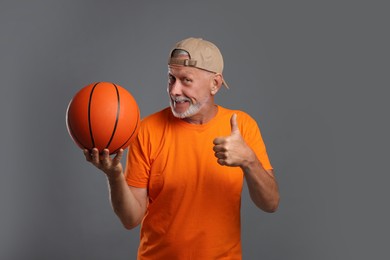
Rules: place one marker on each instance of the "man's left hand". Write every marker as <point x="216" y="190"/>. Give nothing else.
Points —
<point x="232" y="150"/>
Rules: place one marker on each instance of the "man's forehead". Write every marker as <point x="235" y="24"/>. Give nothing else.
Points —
<point x="178" y="69"/>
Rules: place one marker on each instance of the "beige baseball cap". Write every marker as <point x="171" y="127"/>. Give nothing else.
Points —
<point x="202" y="55"/>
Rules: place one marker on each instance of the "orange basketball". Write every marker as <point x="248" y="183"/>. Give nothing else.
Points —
<point x="103" y="115"/>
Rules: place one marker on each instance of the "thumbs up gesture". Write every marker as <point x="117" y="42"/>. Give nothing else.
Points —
<point x="232" y="150"/>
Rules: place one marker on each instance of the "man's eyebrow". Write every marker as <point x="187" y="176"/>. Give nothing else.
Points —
<point x="181" y="74"/>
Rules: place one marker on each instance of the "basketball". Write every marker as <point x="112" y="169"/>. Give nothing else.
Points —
<point x="103" y="115"/>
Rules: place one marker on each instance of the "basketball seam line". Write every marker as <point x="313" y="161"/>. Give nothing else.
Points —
<point x="117" y="116"/>
<point x="89" y="115"/>
<point x="135" y="128"/>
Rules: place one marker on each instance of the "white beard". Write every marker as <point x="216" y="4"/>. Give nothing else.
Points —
<point x="192" y="110"/>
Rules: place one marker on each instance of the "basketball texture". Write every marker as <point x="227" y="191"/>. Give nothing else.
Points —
<point x="103" y="115"/>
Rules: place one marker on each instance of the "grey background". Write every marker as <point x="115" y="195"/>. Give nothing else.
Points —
<point x="314" y="74"/>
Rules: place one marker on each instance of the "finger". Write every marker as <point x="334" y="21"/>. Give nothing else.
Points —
<point x="219" y="148"/>
<point x="95" y="156"/>
<point x="220" y="155"/>
<point x="118" y="157"/>
<point x="233" y="124"/>
<point x="105" y="157"/>
<point x="221" y="162"/>
<point x="219" y="140"/>
<point x="87" y="155"/>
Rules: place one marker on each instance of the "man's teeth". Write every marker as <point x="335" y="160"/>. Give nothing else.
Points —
<point x="181" y="100"/>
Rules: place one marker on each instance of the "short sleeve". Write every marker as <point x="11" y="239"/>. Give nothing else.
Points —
<point x="252" y="135"/>
<point x="138" y="163"/>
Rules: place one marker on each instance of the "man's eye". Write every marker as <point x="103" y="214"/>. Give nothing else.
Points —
<point x="187" y="80"/>
<point x="171" y="79"/>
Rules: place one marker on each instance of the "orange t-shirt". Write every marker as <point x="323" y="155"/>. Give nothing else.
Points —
<point x="194" y="203"/>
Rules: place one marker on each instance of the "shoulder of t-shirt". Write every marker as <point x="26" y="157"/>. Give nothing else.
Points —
<point x="242" y="116"/>
<point x="246" y="123"/>
<point x="155" y="119"/>
<point x="152" y="127"/>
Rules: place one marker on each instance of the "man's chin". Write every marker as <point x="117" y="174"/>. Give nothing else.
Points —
<point x="179" y="115"/>
<point x="185" y="114"/>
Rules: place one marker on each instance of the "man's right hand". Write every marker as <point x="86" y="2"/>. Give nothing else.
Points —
<point x="112" y="167"/>
<point x="129" y="203"/>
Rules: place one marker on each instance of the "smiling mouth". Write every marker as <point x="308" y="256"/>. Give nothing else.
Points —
<point x="180" y="100"/>
<point x="180" y="104"/>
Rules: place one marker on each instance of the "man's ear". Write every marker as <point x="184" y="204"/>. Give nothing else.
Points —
<point x="216" y="83"/>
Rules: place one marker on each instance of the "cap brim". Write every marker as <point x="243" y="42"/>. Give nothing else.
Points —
<point x="225" y="84"/>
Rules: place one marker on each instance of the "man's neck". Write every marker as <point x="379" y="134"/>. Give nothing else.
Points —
<point x="204" y="116"/>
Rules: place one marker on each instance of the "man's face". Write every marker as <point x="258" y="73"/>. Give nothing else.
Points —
<point x="189" y="90"/>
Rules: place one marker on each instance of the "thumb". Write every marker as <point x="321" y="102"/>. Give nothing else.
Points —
<point x="233" y="124"/>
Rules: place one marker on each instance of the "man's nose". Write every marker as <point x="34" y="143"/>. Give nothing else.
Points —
<point x="175" y="89"/>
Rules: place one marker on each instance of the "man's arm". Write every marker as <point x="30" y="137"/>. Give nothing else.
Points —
<point x="262" y="186"/>
<point x="129" y="203"/>
<point x="233" y="151"/>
